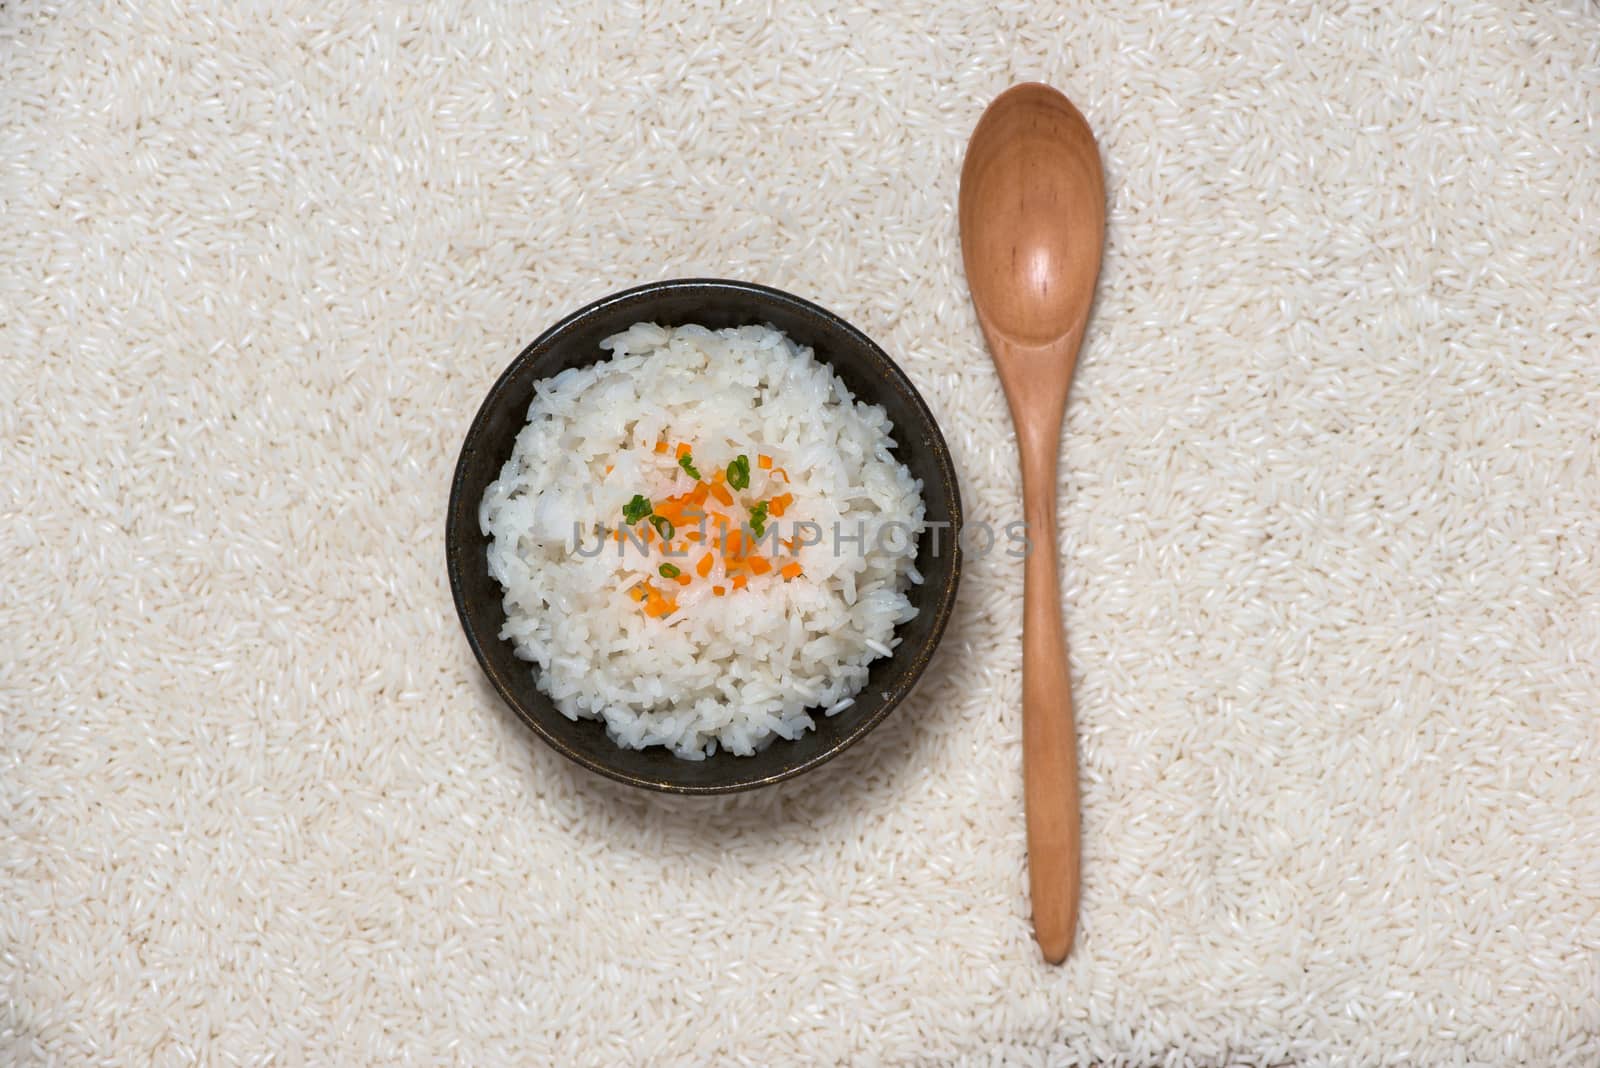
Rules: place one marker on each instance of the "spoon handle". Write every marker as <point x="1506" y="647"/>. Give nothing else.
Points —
<point x="1049" y="739"/>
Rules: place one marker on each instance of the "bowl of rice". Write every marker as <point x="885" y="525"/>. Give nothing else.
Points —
<point x="703" y="536"/>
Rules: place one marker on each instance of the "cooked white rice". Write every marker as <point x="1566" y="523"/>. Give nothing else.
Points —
<point x="734" y="670"/>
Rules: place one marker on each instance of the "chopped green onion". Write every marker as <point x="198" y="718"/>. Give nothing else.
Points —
<point x="686" y="461"/>
<point x="636" y="509"/>
<point x="663" y="527"/>
<point x="739" y="472"/>
<point x="669" y="571"/>
<point x="758" y="519"/>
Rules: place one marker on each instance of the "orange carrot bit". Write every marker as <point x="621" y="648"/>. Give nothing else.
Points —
<point x="693" y="535"/>
<point x="787" y="543"/>
<point x="698" y="495"/>
<point x="656" y="606"/>
<point x="719" y="476"/>
<point x="764" y="462"/>
<point x="683" y="580"/>
<point x="610" y="468"/>
<point x="780" y="504"/>
<point x="759" y="565"/>
<point x="739" y="582"/>
<point x="722" y="495"/>
<point x="790" y="571"/>
<point x="682" y="451"/>
<point x="637" y="593"/>
<point x="779" y="472"/>
<point x="735" y="548"/>
<point x="703" y="568"/>
<point x="680" y="511"/>
<point x="661" y="447"/>
<point x="719" y="591"/>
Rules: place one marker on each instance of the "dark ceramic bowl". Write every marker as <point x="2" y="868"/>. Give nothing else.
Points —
<point x="575" y="342"/>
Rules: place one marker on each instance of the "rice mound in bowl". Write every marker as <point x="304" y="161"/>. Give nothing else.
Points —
<point x="769" y="571"/>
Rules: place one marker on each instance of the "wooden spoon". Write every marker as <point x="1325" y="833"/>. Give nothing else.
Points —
<point x="1032" y="224"/>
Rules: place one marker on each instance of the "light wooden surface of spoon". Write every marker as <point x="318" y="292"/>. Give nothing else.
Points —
<point x="1032" y="227"/>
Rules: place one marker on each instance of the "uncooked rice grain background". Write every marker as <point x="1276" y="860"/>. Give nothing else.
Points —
<point x="1331" y="504"/>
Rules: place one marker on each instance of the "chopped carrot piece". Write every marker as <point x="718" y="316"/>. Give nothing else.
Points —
<point x="790" y="571"/>
<point x="610" y="468"/>
<point x="693" y="535"/>
<point x="722" y="495"/>
<point x="780" y="504"/>
<point x="679" y="511"/>
<point x="656" y="606"/>
<point x="703" y="568"/>
<point x="779" y="472"/>
<point x="671" y="510"/>
<point x="718" y="477"/>
<point x="698" y="495"/>
<point x="661" y="446"/>
<point x="759" y="565"/>
<point x="637" y="593"/>
<point x="683" y="580"/>
<point x="735" y="548"/>
<point x="764" y="462"/>
<point x="683" y="450"/>
<point x="739" y="582"/>
<point x="718" y="590"/>
<point x="788" y="543"/>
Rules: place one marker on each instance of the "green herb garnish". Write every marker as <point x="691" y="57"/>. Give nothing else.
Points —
<point x="758" y="519"/>
<point x="739" y="472"/>
<point x="686" y="461"/>
<point x="636" y="509"/>
<point x="663" y="527"/>
<point x="669" y="571"/>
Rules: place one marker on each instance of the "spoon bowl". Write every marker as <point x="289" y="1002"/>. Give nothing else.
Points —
<point x="1032" y="217"/>
<point x="1032" y="227"/>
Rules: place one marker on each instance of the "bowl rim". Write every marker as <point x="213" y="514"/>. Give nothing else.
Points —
<point x="942" y="608"/>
